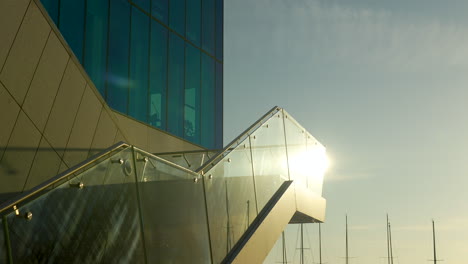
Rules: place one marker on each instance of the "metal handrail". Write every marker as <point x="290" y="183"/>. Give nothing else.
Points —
<point x="166" y="161"/>
<point x="233" y="144"/>
<point x="10" y="203"/>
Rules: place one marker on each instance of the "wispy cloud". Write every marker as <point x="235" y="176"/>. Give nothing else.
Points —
<point x="309" y="31"/>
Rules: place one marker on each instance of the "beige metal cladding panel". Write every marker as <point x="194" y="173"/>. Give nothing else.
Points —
<point x="45" y="83"/>
<point x="18" y="157"/>
<point x="25" y="53"/>
<point x="105" y="133"/>
<point x="11" y="15"/>
<point x="9" y="110"/>
<point x="136" y="132"/>
<point x="45" y="165"/>
<point x="83" y="128"/>
<point x="65" y="107"/>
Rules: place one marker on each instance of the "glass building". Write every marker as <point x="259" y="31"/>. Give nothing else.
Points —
<point x="158" y="61"/>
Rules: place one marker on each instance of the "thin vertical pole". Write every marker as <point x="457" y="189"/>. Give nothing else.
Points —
<point x="433" y="242"/>
<point x="285" y="258"/>
<point x="388" y="243"/>
<point x="347" y="239"/>
<point x="302" y="244"/>
<point x="390" y="237"/>
<point x="320" y="245"/>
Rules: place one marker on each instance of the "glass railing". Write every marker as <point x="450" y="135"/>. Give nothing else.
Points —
<point x="191" y="160"/>
<point x="240" y="180"/>
<point x="130" y="205"/>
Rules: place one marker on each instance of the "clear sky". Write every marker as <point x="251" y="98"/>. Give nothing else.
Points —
<point x="384" y="85"/>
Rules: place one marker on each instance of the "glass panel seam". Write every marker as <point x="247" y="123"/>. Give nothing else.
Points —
<point x="7" y="239"/>
<point x="142" y="232"/>
<point x="286" y="143"/>
<point x="133" y="5"/>
<point x="129" y="59"/>
<point x="106" y="82"/>
<point x="83" y="49"/>
<point x="207" y="217"/>
<point x="253" y="176"/>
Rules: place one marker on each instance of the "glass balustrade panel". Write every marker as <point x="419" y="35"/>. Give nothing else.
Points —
<point x="3" y="246"/>
<point x="92" y="218"/>
<point x="318" y="164"/>
<point x="173" y="212"/>
<point x="230" y="198"/>
<point x="297" y="150"/>
<point x="269" y="158"/>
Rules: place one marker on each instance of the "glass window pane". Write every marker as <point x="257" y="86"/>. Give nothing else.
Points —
<point x="177" y="16"/>
<point x="208" y="26"/>
<point x="219" y="29"/>
<point x="176" y="86"/>
<point x="52" y="7"/>
<point x="96" y="42"/>
<point x="143" y="4"/>
<point x="194" y="21"/>
<point x="139" y="54"/>
<point x="192" y="94"/>
<point x="207" y="102"/>
<point x="158" y="75"/>
<point x="117" y="71"/>
<point x="71" y="25"/>
<point x="159" y="9"/>
<point x="219" y="106"/>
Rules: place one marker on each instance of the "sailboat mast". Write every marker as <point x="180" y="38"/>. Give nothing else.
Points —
<point x="347" y="239"/>
<point x="434" y="242"/>
<point x="320" y="245"/>
<point x="302" y="243"/>
<point x="285" y="258"/>
<point x="390" y="238"/>
<point x="388" y="244"/>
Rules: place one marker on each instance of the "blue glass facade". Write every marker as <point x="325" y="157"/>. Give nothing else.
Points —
<point x="158" y="61"/>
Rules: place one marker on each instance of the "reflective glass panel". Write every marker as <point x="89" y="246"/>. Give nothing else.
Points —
<point x="92" y="224"/>
<point x="176" y="86"/>
<point x="219" y="29"/>
<point x="71" y="25"/>
<point x="3" y="246"/>
<point x="96" y="42"/>
<point x="158" y="75"/>
<point x="143" y="4"/>
<point x="139" y="66"/>
<point x="117" y="70"/>
<point x="318" y="164"/>
<point x="194" y="21"/>
<point x="208" y="26"/>
<point x="219" y="106"/>
<point x="159" y="10"/>
<point x="297" y="155"/>
<point x="173" y="212"/>
<point x="269" y="158"/>
<point x="177" y="16"/>
<point x="191" y="161"/>
<point x="52" y="7"/>
<point x="192" y="94"/>
<point x="230" y="199"/>
<point x="207" y="101"/>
